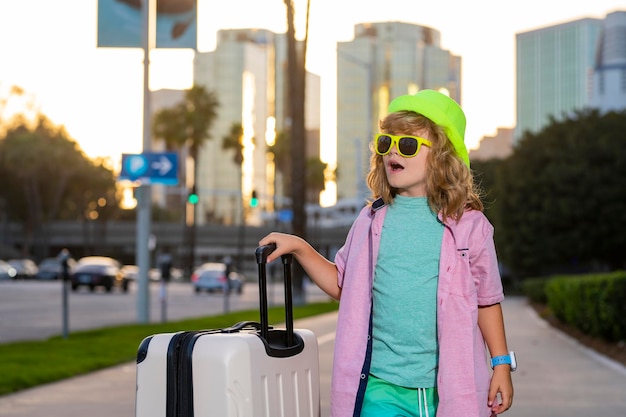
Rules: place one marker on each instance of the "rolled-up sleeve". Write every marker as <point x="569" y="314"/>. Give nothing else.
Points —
<point x="484" y="264"/>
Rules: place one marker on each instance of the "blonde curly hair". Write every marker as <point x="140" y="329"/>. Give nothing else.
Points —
<point x="450" y="186"/>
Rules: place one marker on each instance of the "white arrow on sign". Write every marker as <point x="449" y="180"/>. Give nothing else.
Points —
<point x="163" y="166"/>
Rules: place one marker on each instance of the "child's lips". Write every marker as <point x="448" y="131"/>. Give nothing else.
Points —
<point x="393" y="165"/>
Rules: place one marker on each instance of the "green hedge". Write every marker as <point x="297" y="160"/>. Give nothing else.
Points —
<point x="535" y="289"/>
<point x="594" y="303"/>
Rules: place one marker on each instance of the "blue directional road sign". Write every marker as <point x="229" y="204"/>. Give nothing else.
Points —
<point x="150" y="168"/>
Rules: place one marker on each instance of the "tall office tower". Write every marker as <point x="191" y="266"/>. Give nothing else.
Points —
<point x="383" y="61"/>
<point x="609" y="79"/>
<point x="247" y="72"/>
<point x="554" y="72"/>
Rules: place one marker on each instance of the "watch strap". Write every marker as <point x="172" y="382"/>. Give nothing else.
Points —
<point x="501" y="360"/>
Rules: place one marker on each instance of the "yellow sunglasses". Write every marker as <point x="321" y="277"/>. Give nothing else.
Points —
<point x="407" y="146"/>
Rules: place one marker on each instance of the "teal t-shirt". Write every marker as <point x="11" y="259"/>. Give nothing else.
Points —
<point x="404" y="343"/>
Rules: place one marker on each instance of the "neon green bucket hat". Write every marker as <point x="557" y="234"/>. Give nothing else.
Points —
<point x="442" y="110"/>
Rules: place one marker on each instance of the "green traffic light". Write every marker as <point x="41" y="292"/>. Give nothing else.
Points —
<point x="254" y="201"/>
<point x="193" y="199"/>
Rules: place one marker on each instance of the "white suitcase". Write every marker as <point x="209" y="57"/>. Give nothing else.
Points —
<point x="247" y="370"/>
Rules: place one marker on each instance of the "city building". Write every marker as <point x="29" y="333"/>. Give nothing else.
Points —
<point x="499" y="146"/>
<point x="569" y="67"/>
<point x="247" y="72"/>
<point x="609" y="78"/>
<point x="383" y="60"/>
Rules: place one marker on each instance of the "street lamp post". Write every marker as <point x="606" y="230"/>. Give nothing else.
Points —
<point x="144" y="212"/>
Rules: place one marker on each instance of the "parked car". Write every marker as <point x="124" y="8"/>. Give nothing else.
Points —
<point x="176" y="274"/>
<point x="26" y="268"/>
<point x="211" y="277"/>
<point x="131" y="272"/>
<point x="50" y="268"/>
<point x="7" y="271"/>
<point x="99" y="271"/>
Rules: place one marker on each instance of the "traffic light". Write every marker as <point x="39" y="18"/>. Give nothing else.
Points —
<point x="254" y="201"/>
<point x="193" y="198"/>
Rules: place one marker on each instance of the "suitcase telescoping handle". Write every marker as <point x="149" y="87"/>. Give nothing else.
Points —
<point x="291" y="341"/>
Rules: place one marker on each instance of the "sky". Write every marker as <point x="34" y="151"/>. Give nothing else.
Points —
<point x="49" y="49"/>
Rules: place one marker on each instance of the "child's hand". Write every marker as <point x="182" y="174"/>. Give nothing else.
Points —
<point x="500" y="384"/>
<point x="322" y="271"/>
<point x="285" y="243"/>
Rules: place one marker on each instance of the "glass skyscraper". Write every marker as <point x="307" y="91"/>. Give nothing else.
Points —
<point x="609" y="79"/>
<point x="568" y="67"/>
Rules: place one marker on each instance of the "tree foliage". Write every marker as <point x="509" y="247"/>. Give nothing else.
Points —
<point x="315" y="181"/>
<point x="282" y="152"/>
<point x="45" y="177"/>
<point x="187" y="123"/>
<point x="233" y="140"/>
<point x="314" y="172"/>
<point x="560" y="199"/>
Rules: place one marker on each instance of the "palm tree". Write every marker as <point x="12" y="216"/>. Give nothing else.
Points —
<point x="187" y="125"/>
<point x="233" y="140"/>
<point x="296" y="60"/>
<point x="314" y="179"/>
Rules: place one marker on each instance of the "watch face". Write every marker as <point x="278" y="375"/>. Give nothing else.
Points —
<point x="513" y="361"/>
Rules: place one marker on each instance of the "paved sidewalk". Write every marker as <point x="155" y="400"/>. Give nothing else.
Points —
<point x="557" y="377"/>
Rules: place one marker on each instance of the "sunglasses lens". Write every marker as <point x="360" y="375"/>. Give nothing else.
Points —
<point x="407" y="146"/>
<point x="383" y="144"/>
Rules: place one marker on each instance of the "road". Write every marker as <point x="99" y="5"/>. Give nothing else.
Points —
<point x="32" y="310"/>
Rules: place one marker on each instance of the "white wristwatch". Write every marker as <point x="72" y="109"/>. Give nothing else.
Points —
<point x="505" y="360"/>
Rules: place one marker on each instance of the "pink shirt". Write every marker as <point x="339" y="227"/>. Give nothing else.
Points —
<point x="468" y="278"/>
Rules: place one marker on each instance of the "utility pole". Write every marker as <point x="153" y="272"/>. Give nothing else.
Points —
<point x="144" y="213"/>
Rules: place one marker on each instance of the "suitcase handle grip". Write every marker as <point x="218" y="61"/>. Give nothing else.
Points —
<point x="262" y="252"/>
<point x="242" y="325"/>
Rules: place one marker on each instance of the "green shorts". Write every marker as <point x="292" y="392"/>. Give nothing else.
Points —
<point x="383" y="399"/>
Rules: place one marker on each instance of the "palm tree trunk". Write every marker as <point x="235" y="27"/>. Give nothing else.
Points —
<point x="296" y="89"/>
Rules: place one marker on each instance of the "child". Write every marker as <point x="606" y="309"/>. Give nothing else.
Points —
<point x="417" y="278"/>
